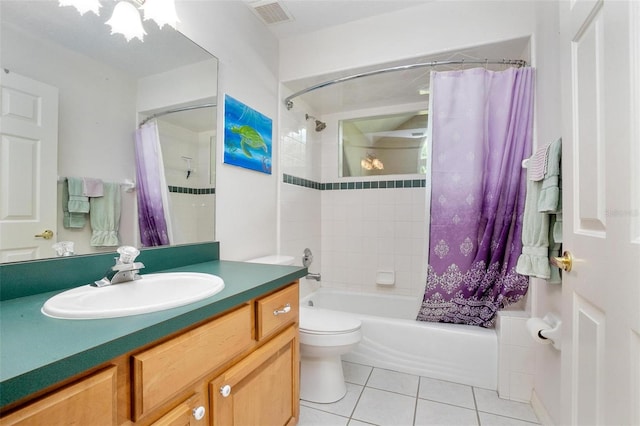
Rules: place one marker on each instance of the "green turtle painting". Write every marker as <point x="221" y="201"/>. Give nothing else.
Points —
<point x="249" y="137"/>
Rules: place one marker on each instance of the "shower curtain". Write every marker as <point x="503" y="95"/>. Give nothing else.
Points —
<point x="481" y="124"/>
<point x="153" y="200"/>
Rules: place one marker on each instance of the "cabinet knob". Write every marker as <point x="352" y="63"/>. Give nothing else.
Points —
<point x="285" y="309"/>
<point x="198" y="413"/>
<point x="225" y="390"/>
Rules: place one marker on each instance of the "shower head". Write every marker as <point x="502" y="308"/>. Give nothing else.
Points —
<point x="320" y="126"/>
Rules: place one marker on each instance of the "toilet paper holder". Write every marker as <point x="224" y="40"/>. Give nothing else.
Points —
<point x="546" y="330"/>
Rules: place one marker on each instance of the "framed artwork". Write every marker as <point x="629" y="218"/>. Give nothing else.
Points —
<point x="247" y="136"/>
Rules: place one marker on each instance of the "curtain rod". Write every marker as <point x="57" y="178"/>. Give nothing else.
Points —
<point x="171" y="111"/>
<point x="289" y="102"/>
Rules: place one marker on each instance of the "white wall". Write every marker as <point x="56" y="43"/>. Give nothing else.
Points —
<point x="429" y="28"/>
<point x="548" y="127"/>
<point x="300" y="206"/>
<point x="246" y="201"/>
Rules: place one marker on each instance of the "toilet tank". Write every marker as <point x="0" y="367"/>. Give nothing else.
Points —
<point x="274" y="259"/>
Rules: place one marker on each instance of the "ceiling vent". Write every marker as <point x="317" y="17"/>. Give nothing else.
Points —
<point x="271" y="12"/>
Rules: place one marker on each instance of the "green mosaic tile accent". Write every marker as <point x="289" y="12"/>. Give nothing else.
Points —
<point x="194" y="191"/>
<point x="342" y="186"/>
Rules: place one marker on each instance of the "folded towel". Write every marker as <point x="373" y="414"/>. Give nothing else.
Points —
<point x="534" y="260"/>
<point x="78" y="203"/>
<point x="92" y="187"/>
<point x="70" y="219"/>
<point x="537" y="166"/>
<point x="105" y="216"/>
<point x="550" y="198"/>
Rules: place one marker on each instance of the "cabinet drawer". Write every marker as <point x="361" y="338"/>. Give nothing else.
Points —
<point x="162" y="371"/>
<point x="90" y="401"/>
<point x="277" y="310"/>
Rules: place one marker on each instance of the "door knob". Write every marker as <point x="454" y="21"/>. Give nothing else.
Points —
<point x="47" y="234"/>
<point x="565" y="262"/>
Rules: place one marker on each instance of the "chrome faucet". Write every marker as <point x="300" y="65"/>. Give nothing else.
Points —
<point x="124" y="270"/>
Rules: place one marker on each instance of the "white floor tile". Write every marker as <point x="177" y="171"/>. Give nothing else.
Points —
<point x="358" y="423"/>
<point x="382" y="397"/>
<point x="344" y="407"/>
<point x="447" y="392"/>
<point x="356" y="373"/>
<point x="312" y="417"/>
<point x="385" y="408"/>
<point x="429" y="413"/>
<point x="489" y="402"/>
<point x="487" y="419"/>
<point x="392" y="381"/>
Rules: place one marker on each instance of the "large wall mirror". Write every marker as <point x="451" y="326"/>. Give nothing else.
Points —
<point x="103" y="88"/>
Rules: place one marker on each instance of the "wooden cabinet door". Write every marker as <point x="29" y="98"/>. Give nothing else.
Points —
<point x="191" y="412"/>
<point x="90" y="401"/>
<point x="262" y="389"/>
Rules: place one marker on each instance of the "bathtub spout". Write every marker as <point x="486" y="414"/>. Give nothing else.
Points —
<point x="313" y="277"/>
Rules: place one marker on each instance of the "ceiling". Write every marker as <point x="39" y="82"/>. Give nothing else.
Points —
<point x="313" y="15"/>
<point x="394" y="88"/>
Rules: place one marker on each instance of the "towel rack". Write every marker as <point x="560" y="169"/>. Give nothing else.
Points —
<point x="128" y="185"/>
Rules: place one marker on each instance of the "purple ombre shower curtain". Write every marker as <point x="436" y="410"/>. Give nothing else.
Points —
<point x="151" y="186"/>
<point x="481" y="123"/>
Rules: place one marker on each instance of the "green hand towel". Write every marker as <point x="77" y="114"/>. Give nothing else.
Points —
<point x="105" y="216"/>
<point x="71" y="219"/>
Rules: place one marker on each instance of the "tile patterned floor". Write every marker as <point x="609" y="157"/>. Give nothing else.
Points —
<point x="389" y="398"/>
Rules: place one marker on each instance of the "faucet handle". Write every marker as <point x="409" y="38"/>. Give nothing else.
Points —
<point x="128" y="254"/>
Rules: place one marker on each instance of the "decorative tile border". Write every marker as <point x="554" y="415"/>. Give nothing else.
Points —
<point x="338" y="186"/>
<point x="194" y="191"/>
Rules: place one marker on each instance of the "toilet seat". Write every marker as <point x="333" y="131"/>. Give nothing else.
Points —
<point x="324" y="322"/>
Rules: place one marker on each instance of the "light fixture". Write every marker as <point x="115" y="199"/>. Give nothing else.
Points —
<point x="163" y="12"/>
<point x="126" y="21"/>
<point x="83" y="6"/>
<point x="371" y="162"/>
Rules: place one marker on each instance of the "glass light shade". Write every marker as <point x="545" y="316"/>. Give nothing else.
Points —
<point x="126" y="21"/>
<point x="377" y="164"/>
<point x="83" y="6"/>
<point x="366" y="164"/>
<point x="163" y="12"/>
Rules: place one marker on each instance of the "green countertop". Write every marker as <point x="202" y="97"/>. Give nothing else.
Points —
<point x="37" y="351"/>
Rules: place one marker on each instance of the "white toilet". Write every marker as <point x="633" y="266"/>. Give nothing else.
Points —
<point x="324" y="336"/>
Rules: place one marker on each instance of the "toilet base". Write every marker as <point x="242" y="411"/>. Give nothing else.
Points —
<point x="322" y="379"/>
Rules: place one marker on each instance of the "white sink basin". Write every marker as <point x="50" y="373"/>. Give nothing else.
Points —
<point x="154" y="292"/>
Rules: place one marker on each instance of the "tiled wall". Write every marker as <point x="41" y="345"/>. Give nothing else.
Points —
<point x="516" y="356"/>
<point x="192" y="198"/>
<point x="355" y="227"/>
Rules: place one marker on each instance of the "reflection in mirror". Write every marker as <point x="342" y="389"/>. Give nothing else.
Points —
<point x="105" y="86"/>
<point x="187" y="141"/>
<point x="384" y="145"/>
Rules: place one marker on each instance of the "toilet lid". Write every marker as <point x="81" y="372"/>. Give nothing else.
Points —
<point x="321" y="321"/>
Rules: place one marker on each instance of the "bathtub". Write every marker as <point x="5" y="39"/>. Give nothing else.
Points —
<point x="394" y="340"/>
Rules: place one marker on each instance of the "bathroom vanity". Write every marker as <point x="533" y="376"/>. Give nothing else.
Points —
<point x="229" y="359"/>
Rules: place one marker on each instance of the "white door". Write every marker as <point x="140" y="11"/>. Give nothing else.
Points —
<point x="28" y="167"/>
<point x="601" y="204"/>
